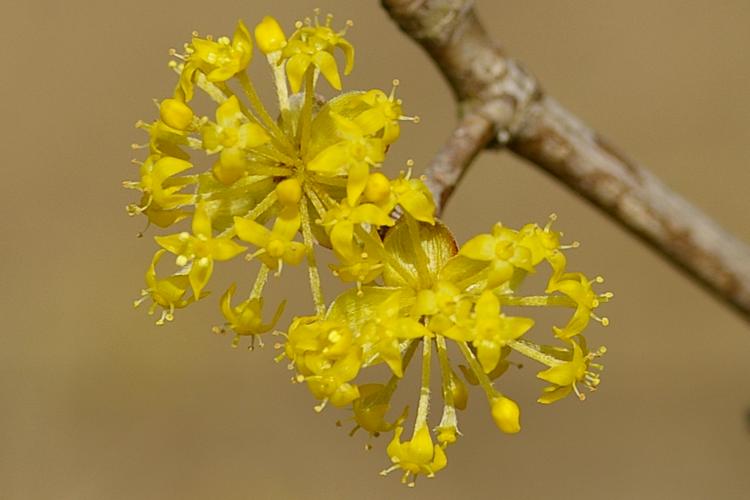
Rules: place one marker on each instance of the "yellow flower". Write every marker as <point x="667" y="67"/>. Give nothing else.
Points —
<point x="416" y="456"/>
<point x="494" y="330"/>
<point x="352" y="157"/>
<point x="359" y="267"/>
<point x="323" y="353"/>
<point x="578" y="288"/>
<point x="566" y="374"/>
<point x="219" y="60"/>
<point x="233" y="135"/>
<point x="168" y="293"/>
<point x="314" y="46"/>
<point x="414" y="198"/>
<point x="200" y="249"/>
<point x="276" y="246"/>
<point x="383" y="115"/>
<point x="502" y="251"/>
<point x="246" y="317"/>
<point x="388" y="328"/>
<point x="341" y="219"/>
<point x="371" y="407"/>
<point x="159" y="184"/>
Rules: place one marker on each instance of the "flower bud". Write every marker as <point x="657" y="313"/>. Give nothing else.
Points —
<point x="289" y="192"/>
<point x="460" y="394"/>
<point x="176" y="114"/>
<point x="505" y="413"/>
<point x="269" y="35"/>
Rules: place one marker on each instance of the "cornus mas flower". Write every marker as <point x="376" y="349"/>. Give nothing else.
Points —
<point x="280" y="184"/>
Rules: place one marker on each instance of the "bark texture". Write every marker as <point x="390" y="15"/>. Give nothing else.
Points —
<point x="502" y="105"/>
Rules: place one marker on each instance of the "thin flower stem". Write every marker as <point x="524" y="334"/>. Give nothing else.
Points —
<point x="484" y="380"/>
<point x="275" y="155"/>
<point x="385" y="395"/>
<point x="532" y="351"/>
<point x="424" y="392"/>
<point x="312" y="266"/>
<point x="216" y="93"/>
<point x="257" y="104"/>
<point x="543" y="300"/>
<point x="280" y="143"/>
<point x="314" y="200"/>
<point x="253" y="214"/>
<point x="260" y="282"/>
<point x="446" y="377"/>
<point x="279" y="79"/>
<point x="306" y="115"/>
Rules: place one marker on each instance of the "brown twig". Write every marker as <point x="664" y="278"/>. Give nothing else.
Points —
<point x="499" y="100"/>
<point x="472" y="134"/>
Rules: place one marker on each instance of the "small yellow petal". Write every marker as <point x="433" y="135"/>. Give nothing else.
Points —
<point x="326" y="63"/>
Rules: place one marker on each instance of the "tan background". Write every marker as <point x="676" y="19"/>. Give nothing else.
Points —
<point x="98" y="403"/>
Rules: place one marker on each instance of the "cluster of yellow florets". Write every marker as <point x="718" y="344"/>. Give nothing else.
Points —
<point x="279" y="186"/>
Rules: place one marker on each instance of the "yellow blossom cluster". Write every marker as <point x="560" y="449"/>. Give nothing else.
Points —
<point x="279" y="184"/>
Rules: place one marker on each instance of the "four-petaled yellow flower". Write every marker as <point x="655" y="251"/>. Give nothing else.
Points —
<point x="418" y="455"/>
<point x="277" y="246"/>
<point x="245" y="319"/>
<point x="168" y="293"/>
<point x="218" y="60"/>
<point x="200" y="249"/>
<point x="313" y="46"/>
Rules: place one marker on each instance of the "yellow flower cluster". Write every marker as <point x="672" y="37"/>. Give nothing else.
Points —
<point x="280" y="184"/>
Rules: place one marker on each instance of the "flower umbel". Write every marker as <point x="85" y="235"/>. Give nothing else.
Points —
<point x="278" y="184"/>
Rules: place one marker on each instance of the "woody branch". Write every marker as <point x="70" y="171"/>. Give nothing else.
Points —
<point x="502" y="105"/>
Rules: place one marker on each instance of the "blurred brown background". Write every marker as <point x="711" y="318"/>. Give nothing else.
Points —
<point x="98" y="403"/>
